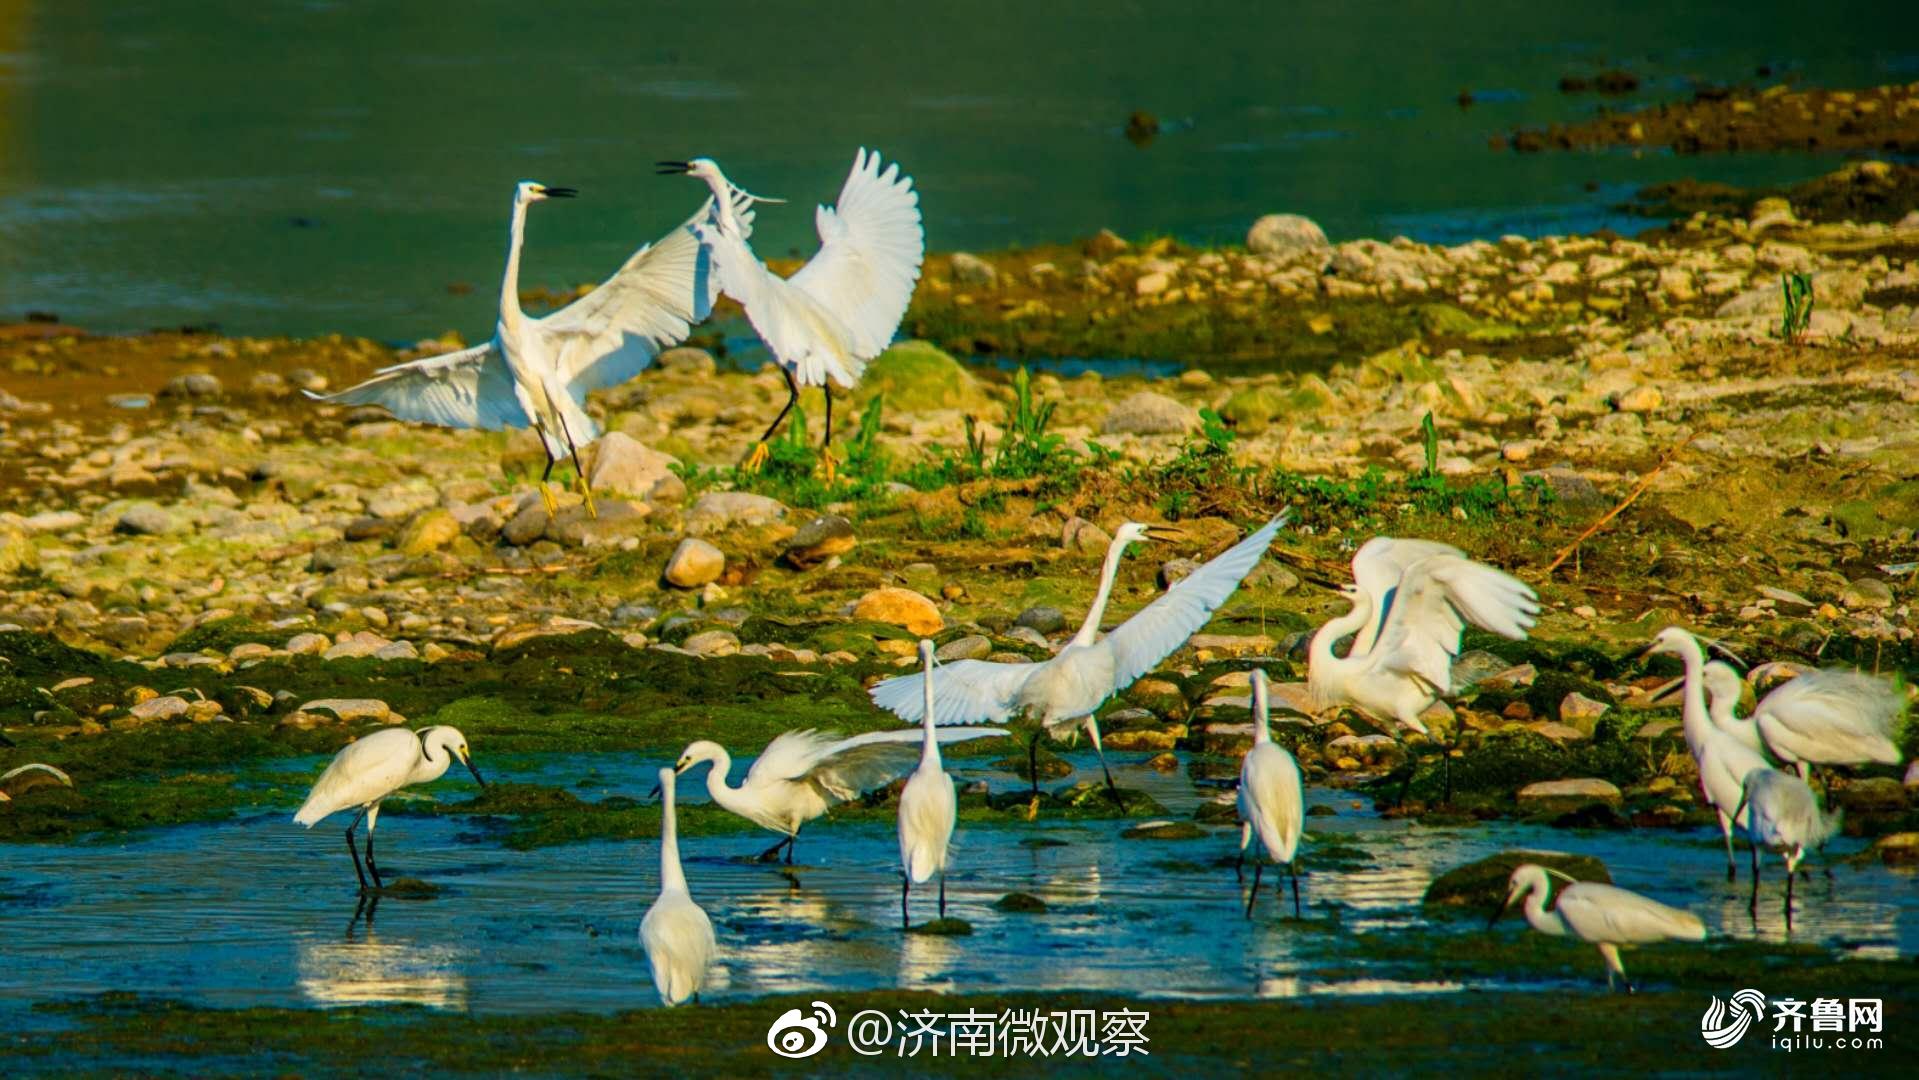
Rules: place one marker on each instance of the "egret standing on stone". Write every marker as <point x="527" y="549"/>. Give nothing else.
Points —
<point x="929" y="807"/>
<point x="538" y="371"/>
<point x="1272" y="802"/>
<point x="1604" y="915"/>
<point x="368" y="770"/>
<point x="676" y="932"/>
<point x="841" y="309"/>
<point x="1061" y="695"/>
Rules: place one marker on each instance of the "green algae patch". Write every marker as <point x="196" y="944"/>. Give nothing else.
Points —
<point x="944" y="927"/>
<point x="918" y="376"/>
<point x="1020" y="903"/>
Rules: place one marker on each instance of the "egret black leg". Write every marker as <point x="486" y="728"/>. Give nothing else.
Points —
<point x="1032" y="762"/>
<point x="372" y="870"/>
<point x="789" y="846"/>
<point x="586" y="490"/>
<point x="353" y="849"/>
<point x="792" y="398"/>
<point x="1112" y="789"/>
<point x="1752" y="905"/>
<point x="1294" y="868"/>
<point x="772" y="854"/>
<point x="1253" y="896"/>
<point x="942" y="894"/>
<point x="906" y="885"/>
<point x="1789" y="901"/>
<point x="1239" y="864"/>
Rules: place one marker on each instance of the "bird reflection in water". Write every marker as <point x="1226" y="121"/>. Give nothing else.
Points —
<point x="364" y="970"/>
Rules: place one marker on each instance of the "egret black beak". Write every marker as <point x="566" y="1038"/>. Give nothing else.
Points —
<point x="655" y="793"/>
<point x="1164" y="532"/>
<point x="1669" y="689"/>
<point x="468" y="762"/>
<point x="1638" y="654"/>
<point x="673" y="168"/>
<point x="1716" y="647"/>
<point x="560" y="192"/>
<point x="1494" y="921"/>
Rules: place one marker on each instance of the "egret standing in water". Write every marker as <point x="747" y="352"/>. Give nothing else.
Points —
<point x="1785" y="819"/>
<point x="1724" y="761"/>
<point x="676" y="932"/>
<point x="929" y="807"/>
<point x="1604" y="915"/>
<point x="538" y="371"/>
<point x="841" y="309"/>
<point x="1272" y="802"/>
<point x="368" y="770"/>
<point x="801" y="774"/>
<point x="1835" y="717"/>
<point x="1059" y="696"/>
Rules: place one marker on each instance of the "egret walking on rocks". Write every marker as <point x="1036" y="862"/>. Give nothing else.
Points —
<point x="928" y="807"/>
<point x="1272" y="802"/>
<point x="676" y="932"/>
<point x="368" y="770"/>
<point x="1604" y="915"/>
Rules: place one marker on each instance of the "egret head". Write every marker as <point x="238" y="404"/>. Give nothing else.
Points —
<point x="698" y="751"/>
<point x="926" y="653"/>
<point x="1134" y="531"/>
<point x="1672" y="641"/>
<point x="1723" y="684"/>
<point x="532" y="191"/>
<point x="1525" y="878"/>
<point x="450" y="741"/>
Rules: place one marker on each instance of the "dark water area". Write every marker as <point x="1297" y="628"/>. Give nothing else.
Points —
<point x="342" y="165"/>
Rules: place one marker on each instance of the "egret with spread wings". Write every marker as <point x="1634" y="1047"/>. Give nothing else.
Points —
<point x="1833" y="717"/>
<point x="537" y="371"/>
<point x="841" y="309"/>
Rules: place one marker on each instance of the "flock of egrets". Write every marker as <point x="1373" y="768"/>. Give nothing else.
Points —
<point x="1411" y="600"/>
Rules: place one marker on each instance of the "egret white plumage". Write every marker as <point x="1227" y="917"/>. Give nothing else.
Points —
<point x="929" y="807"/>
<point x="1604" y="915"/>
<point x="801" y="774"/>
<point x="677" y="934"/>
<point x="1410" y="602"/>
<point x="841" y="309"/>
<point x="1059" y="696"/>
<point x="538" y="371"/>
<point x="1834" y="717"/>
<point x="1723" y="760"/>
<point x="1785" y="818"/>
<point x="368" y="770"/>
<point x="1272" y="802"/>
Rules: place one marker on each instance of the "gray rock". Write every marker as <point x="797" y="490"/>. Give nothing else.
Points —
<point x="1474" y="667"/>
<point x="1029" y="636"/>
<point x="1084" y="537"/>
<point x="196" y="384"/>
<point x="970" y="647"/>
<point x="160" y="708"/>
<point x="712" y="643"/>
<point x="969" y="269"/>
<point x="352" y="710"/>
<point x="302" y="644"/>
<point x="54" y="521"/>
<point x="1173" y="571"/>
<point x="1570" y="490"/>
<point x="525" y="527"/>
<point x="145" y="519"/>
<point x="1147" y="413"/>
<point x="718" y="511"/>
<point x="1559" y="796"/>
<point x="1866" y="592"/>
<point x="1287" y="235"/>
<point x="1043" y="618"/>
<point x="693" y="564"/>
<point x="688" y="360"/>
<point x="624" y="464"/>
<point x="819" y="540"/>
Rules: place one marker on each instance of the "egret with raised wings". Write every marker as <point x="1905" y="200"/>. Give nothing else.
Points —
<point x="840" y="310"/>
<point x="1603" y="915"/>
<point x="537" y="371"/>
<point x="1272" y="802"/>
<point x="365" y="772"/>
<point x="1059" y="696"/>
<point x="1835" y="717"/>
<point x="801" y="774"/>
<point x="676" y="932"/>
<point x="929" y="807"/>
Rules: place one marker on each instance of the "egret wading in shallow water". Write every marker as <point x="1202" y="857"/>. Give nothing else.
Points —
<point x="928" y="807"/>
<point x="537" y="371"/>
<point x="841" y="309"/>
<point x="365" y="772"/>
<point x="1832" y="717"/>
<point x="1785" y="819"/>
<point x="801" y="774"/>
<point x="676" y="932"/>
<point x="1724" y="761"/>
<point x="1272" y="802"/>
<point x="1603" y="915"/>
<point x="1059" y="696"/>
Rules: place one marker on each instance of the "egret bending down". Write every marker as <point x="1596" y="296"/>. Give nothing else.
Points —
<point x="841" y="309"/>
<point x="1785" y="819"/>
<point x="676" y="932"/>
<point x="1059" y="696"/>
<point x="1724" y="762"/>
<point x="365" y="772"/>
<point x="1604" y="915"/>
<point x="1272" y="803"/>
<point x="928" y="807"/>
<point x="801" y="774"/>
<point x="538" y="371"/>
<point x="1835" y="717"/>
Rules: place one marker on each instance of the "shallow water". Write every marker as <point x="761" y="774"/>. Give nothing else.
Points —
<point x="257" y="911"/>
<point x="312" y="166"/>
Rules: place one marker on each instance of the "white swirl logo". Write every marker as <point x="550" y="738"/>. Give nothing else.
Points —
<point x="796" y="1036"/>
<point x="1722" y="1030"/>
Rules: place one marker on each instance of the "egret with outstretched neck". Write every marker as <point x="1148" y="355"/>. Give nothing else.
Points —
<point x="677" y="934"/>
<point x="1603" y="915"/>
<point x="365" y="772"/>
<point x="1724" y="762"/>
<point x="929" y="807"/>
<point x="1272" y="802"/>
<point x="1059" y="696"/>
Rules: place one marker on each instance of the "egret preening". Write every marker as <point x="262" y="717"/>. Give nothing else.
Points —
<point x="365" y="772"/>
<point x="841" y="309"/>
<point x="676" y="932"/>
<point x="928" y="807"/>
<point x="1724" y="761"/>
<point x="1604" y="915"/>
<point x="1785" y="818"/>
<point x="1834" y="717"/>
<point x="802" y="773"/>
<point x="538" y="371"/>
<point x="1411" y="600"/>
<point x="1272" y="803"/>
<point x="1061" y="695"/>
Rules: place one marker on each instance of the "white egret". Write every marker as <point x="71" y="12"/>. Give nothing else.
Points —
<point x="368" y="770"/>
<point x="1723" y="760"/>
<point x="538" y="370"/>
<point x="676" y="932"/>
<point x="801" y="774"/>
<point x="1272" y="802"/>
<point x="1603" y="915"/>
<point x="1785" y="818"/>
<point x="1834" y="717"/>
<point x="1411" y="600"/>
<point x="34" y="772"/>
<point x="1061" y="695"/>
<point x="929" y="807"/>
<point x="841" y="309"/>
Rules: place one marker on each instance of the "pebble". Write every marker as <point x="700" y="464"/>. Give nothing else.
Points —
<point x="712" y="643"/>
<point x="900" y="607"/>
<point x="145" y="519"/>
<point x="160" y="708"/>
<point x="820" y="539"/>
<point x="694" y="563"/>
<point x="351" y="710"/>
<point x="1147" y="413"/>
<point x="309" y="643"/>
<point x="970" y="647"/>
<point x="1042" y="619"/>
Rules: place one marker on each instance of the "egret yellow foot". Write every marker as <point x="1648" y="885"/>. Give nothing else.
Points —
<point x="828" y="465"/>
<point x="592" y="511"/>
<point x="757" y="458"/>
<point x="546" y="496"/>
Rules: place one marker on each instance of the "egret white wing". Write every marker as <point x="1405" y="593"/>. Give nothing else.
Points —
<point x="871" y="246"/>
<point x="360" y="772"/>
<point x="1378" y="566"/>
<point x="1833" y="717"/>
<point x="1141" y="642"/>
<point x="966" y="692"/>
<point x="1437" y="597"/>
<point x="471" y="388"/>
<point x="1785" y="813"/>
<point x="1605" y="913"/>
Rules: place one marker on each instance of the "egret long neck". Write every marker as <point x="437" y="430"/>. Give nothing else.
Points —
<point x="1089" y="630"/>
<point x="1320" y="652"/>
<point x="1546" y="922"/>
<point x="722" y="189"/>
<point x="1694" y="715"/>
<point x="430" y="768"/>
<point x="1262" y="712"/>
<point x="671" y="876"/>
<point x="930" y="743"/>
<point x="510" y="315"/>
<point x="716" y="782"/>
